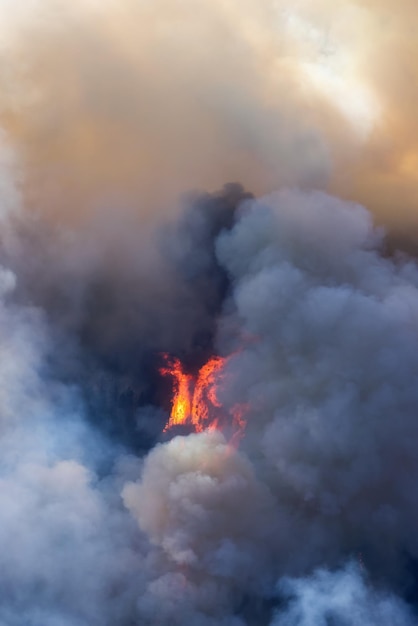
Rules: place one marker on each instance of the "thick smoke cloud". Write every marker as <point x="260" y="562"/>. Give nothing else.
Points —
<point x="338" y="598"/>
<point x="86" y="99"/>
<point x="112" y="113"/>
<point x="187" y="503"/>
<point x="308" y="93"/>
<point x="330" y="376"/>
<point x="195" y="530"/>
<point x="117" y="298"/>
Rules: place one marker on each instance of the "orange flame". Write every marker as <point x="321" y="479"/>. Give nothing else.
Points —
<point x="196" y="400"/>
<point x="182" y="403"/>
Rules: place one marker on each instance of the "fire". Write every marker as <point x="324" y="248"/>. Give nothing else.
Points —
<point x="182" y="402"/>
<point x="196" y="400"/>
<point x="205" y="394"/>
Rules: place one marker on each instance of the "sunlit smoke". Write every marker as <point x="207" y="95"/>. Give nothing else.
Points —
<point x="312" y="94"/>
<point x="331" y="67"/>
<point x="208" y="399"/>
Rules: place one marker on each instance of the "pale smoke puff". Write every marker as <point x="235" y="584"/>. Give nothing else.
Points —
<point x="341" y="597"/>
<point x="200" y="501"/>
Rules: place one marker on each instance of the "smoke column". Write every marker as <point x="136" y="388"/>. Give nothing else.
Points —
<point x="125" y="238"/>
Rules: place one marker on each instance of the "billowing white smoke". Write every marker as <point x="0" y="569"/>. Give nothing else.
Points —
<point x="200" y="503"/>
<point x="201" y="533"/>
<point x="338" y="598"/>
<point x="65" y="547"/>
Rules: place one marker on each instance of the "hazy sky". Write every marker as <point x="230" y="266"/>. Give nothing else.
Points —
<point x="135" y="102"/>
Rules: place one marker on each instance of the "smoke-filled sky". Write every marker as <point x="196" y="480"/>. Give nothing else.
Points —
<point x="136" y="102"/>
<point x="200" y="178"/>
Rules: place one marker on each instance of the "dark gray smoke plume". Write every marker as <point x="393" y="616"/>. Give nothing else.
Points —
<point x="311" y="520"/>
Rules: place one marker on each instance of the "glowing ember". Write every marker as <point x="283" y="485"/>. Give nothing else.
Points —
<point x="196" y="401"/>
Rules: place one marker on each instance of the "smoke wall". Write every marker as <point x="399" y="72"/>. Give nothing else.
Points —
<point x="126" y="242"/>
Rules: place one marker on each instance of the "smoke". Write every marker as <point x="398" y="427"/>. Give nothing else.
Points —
<point x="338" y="598"/>
<point x="304" y="94"/>
<point x="85" y="98"/>
<point x="330" y="374"/>
<point x="187" y="503"/>
<point x="113" y="113"/>
<point x="197" y="531"/>
<point x="117" y="296"/>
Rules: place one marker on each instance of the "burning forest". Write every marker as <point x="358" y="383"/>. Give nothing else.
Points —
<point x="196" y="401"/>
<point x="208" y="398"/>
